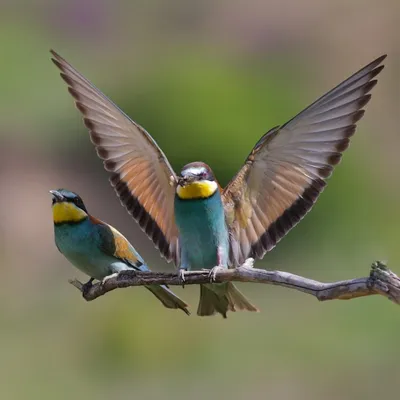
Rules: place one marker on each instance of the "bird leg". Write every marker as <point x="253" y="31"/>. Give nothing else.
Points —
<point x="106" y="278"/>
<point x="213" y="272"/>
<point x="181" y="276"/>
<point x="249" y="263"/>
<point x="87" y="286"/>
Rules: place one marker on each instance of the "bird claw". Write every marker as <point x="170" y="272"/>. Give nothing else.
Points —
<point x="181" y="277"/>
<point x="249" y="263"/>
<point x="213" y="273"/>
<point x="108" y="277"/>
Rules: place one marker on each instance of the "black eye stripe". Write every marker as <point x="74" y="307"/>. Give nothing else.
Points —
<point x="75" y="200"/>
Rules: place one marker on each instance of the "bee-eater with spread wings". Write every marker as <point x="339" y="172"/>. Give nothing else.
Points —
<point x="189" y="217"/>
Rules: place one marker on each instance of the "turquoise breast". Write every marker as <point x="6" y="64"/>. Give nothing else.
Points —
<point x="202" y="232"/>
<point x="75" y="237"/>
<point x="80" y="244"/>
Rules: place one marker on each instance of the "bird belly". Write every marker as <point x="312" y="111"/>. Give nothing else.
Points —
<point x="79" y="246"/>
<point x="203" y="232"/>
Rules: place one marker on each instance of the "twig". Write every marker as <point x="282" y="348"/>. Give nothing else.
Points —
<point x="381" y="281"/>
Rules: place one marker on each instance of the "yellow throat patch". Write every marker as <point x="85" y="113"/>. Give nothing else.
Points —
<point x="197" y="190"/>
<point x="67" y="212"/>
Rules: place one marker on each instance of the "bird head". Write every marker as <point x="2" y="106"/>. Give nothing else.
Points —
<point x="196" y="181"/>
<point x="67" y="206"/>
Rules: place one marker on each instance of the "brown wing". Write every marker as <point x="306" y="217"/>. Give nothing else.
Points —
<point x="141" y="174"/>
<point x="286" y="171"/>
<point x="114" y="244"/>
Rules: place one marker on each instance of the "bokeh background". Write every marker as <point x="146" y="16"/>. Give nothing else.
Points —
<point x="206" y="79"/>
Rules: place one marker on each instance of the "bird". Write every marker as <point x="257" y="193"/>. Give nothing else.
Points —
<point x="96" y="248"/>
<point x="190" y="218"/>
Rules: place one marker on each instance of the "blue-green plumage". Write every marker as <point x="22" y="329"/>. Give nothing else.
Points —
<point x="88" y="247"/>
<point x="203" y="233"/>
<point x="96" y="248"/>
<point x="204" y="239"/>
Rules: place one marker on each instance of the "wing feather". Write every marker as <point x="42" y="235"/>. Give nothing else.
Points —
<point x="140" y="173"/>
<point x="286" y="170"/>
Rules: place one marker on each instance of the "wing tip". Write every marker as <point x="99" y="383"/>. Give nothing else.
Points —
<point x="88" y="122"/>
<point x="94" y="136"/>
<point x="380" y="59"/>
<point x="364" y="100"/>
<point x="57" y="60"/>
<point x="375" y="64"/>
<point x="370" y="85"/>
<point x="102" y="152"/>
<point x="357" y="115"/>
<point x="81" y="107"/>
<point x="343" y="145"/>
<point x="66" y="78"/>
<point x="377" y="70"/>
<point x="334" y="158"/>
<point x="72" y="91"/>
<point x="350" y="131"/>
<point x="54" y="55"/>
<point x="110" y="166"/>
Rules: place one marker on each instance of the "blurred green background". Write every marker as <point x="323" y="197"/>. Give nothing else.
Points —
<point x="206" y="79"/>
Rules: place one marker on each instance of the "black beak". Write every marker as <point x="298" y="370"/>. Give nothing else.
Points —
<point x="57" y="196"/>
<point x="186" y="180"/>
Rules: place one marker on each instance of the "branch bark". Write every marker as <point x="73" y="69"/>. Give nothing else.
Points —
<point x="381" y="281"/>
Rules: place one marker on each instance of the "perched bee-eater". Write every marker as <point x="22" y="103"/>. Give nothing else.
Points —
<point x="96" y="248"/>
<point x="194" y="222"/>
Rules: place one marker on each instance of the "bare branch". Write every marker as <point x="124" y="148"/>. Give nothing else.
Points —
<point x="381" y="281"/>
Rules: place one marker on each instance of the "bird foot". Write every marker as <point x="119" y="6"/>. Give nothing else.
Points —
<point x="249" y="263"/>
<point x="108" y="277"/>
<point x="181" y="277"/>
<point x="213" y="273"/>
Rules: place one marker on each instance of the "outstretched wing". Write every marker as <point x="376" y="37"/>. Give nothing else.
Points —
<point x="141" y="174"/>
<point x="286" y="171"/>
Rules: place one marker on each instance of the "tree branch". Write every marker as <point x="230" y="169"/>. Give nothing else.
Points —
<point x="381" y="281"/>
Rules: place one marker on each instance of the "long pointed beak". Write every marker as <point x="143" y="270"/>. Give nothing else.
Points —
<point x="57" y="195"/>
<point x="186" y="180"/>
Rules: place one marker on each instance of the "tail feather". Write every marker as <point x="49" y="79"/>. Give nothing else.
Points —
<point x="168" y="298"/>
<point x="225" y="298"/>
<point x="238" y="300"/>
<point x="210" y="302"/>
